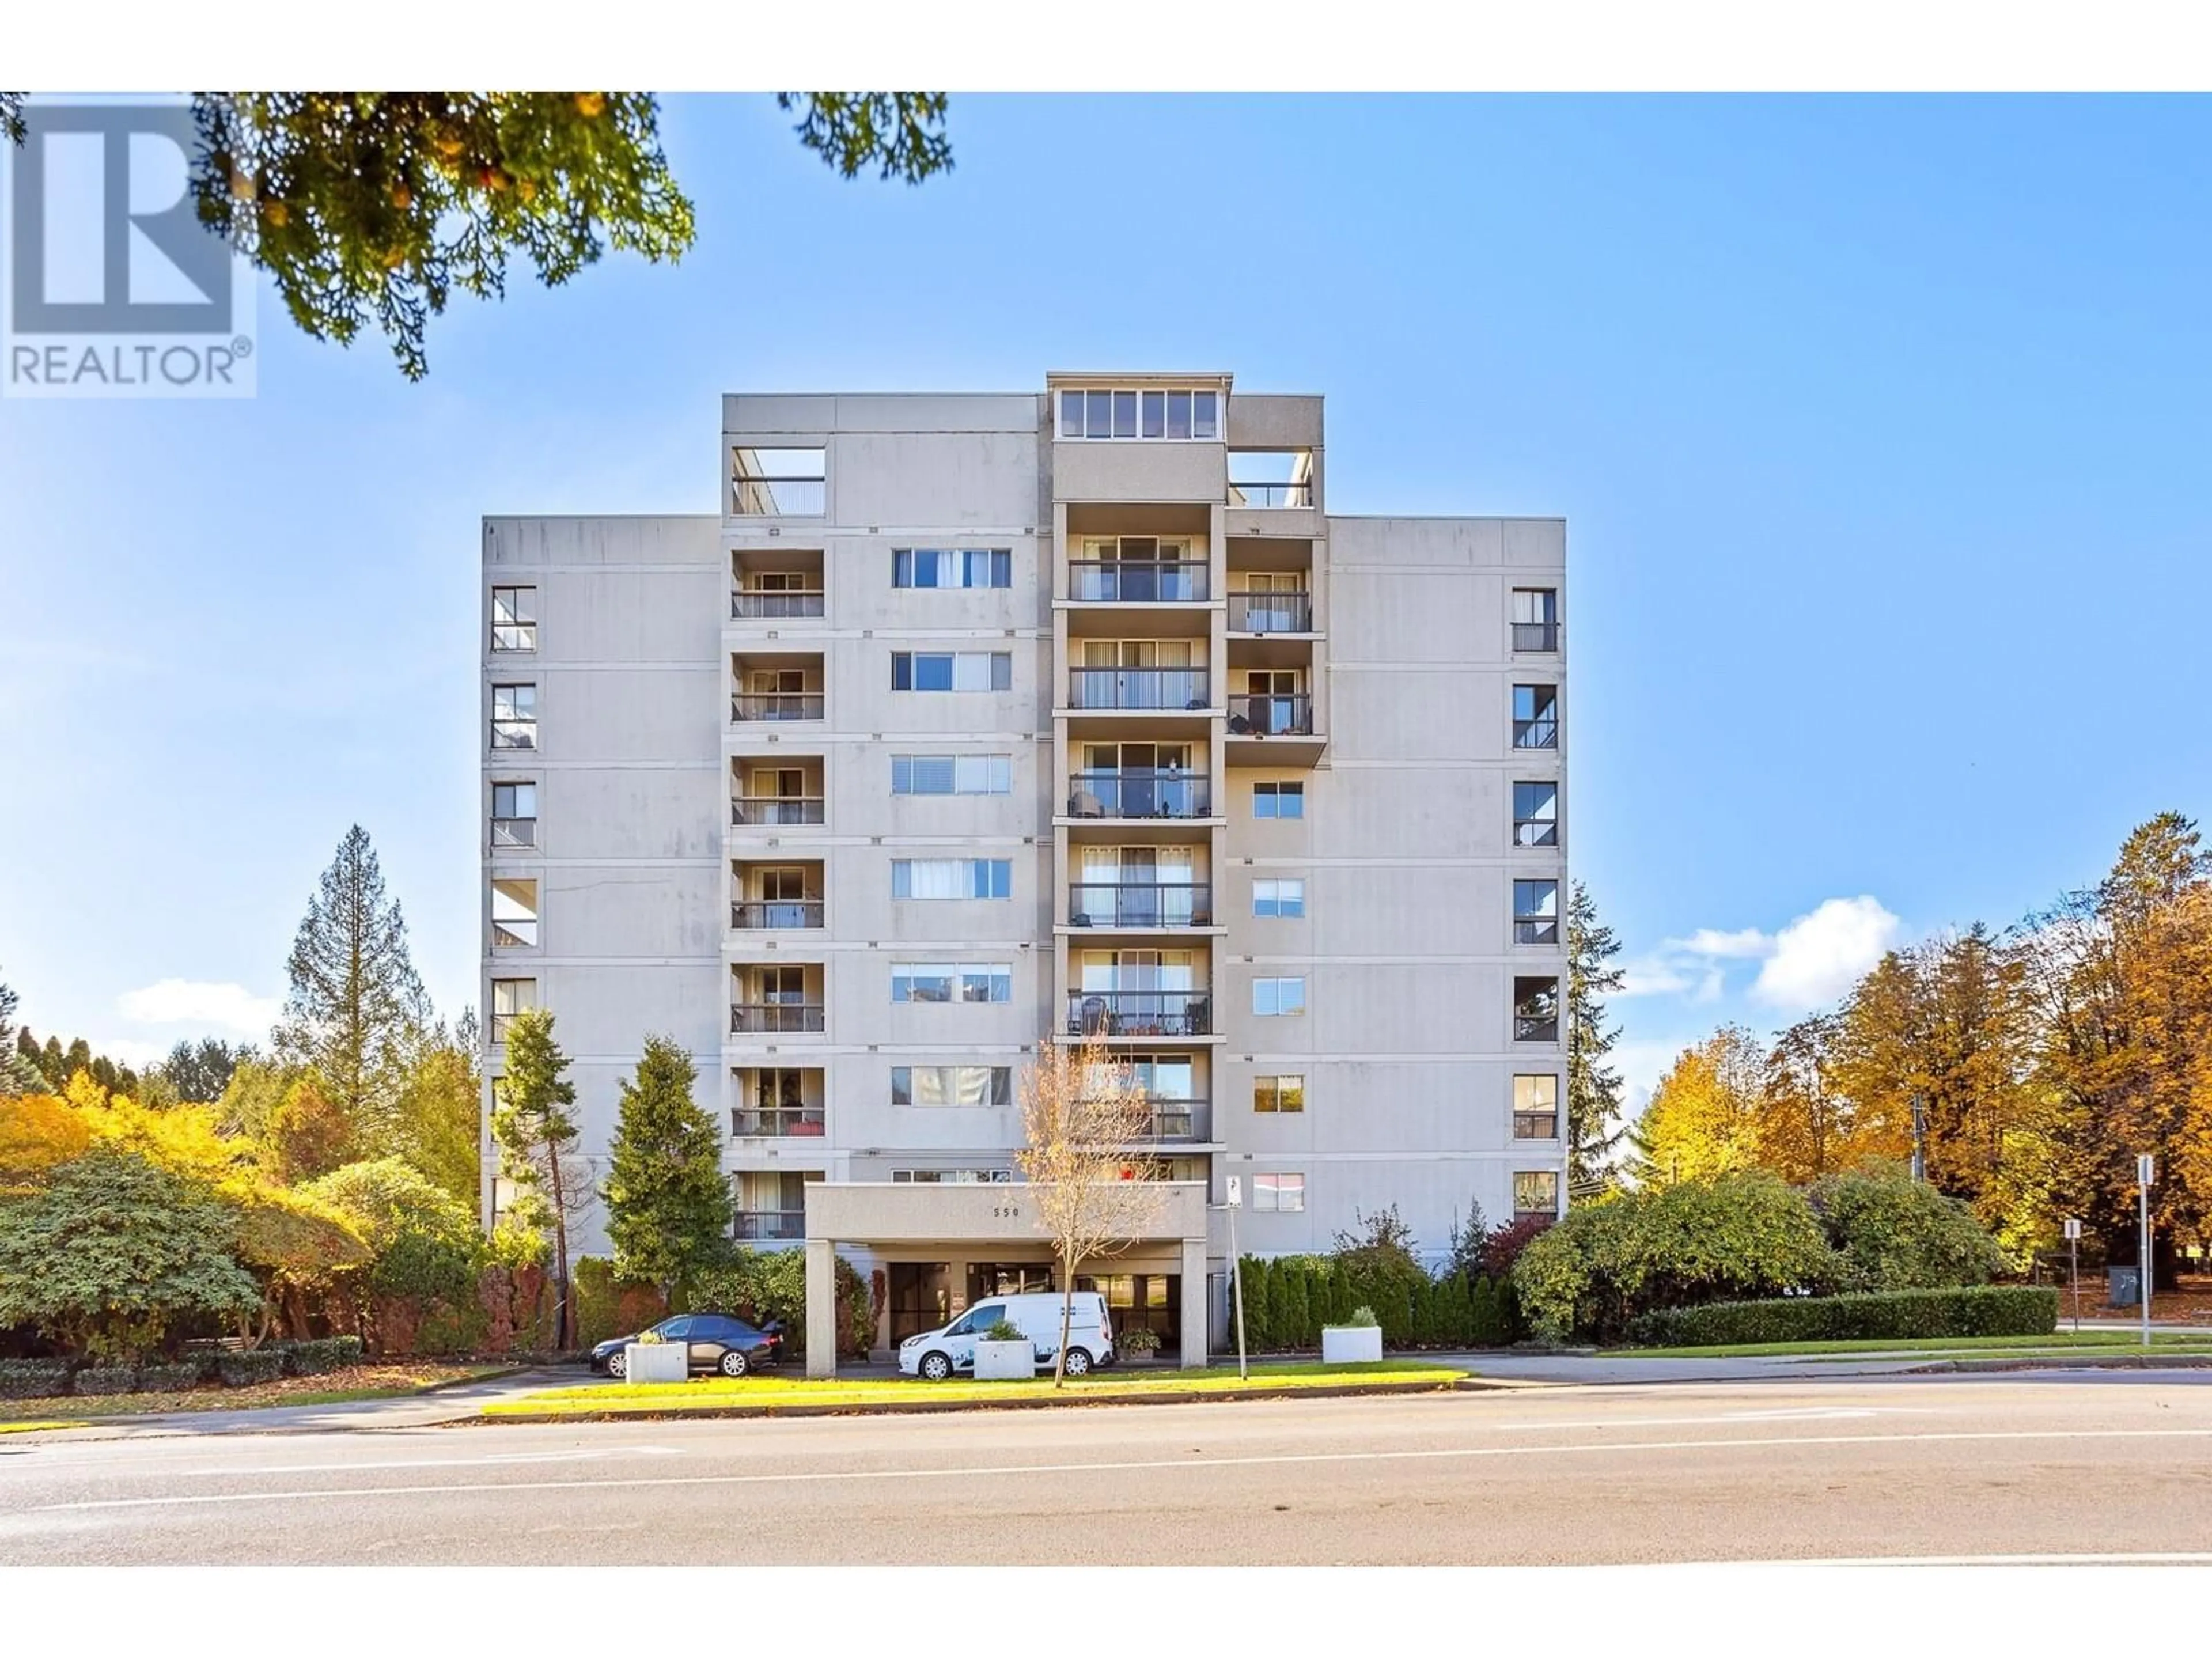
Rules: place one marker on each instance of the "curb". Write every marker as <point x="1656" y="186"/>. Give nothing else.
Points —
<point x="2142" y="1361"/>
<point x="901" y="1407"/>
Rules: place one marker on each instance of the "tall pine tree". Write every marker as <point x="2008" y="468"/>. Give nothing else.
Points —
<point x="537" y="1135"/>
<point x="668" y="1202"/>
<point x="1594" y="1129"/>
<point x="356" y="1003"/>
<point x="18" y="1075"/>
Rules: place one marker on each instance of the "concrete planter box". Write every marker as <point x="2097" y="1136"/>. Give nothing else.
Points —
<point x="656" y="1362"/>
<point x="1343" y="1345"/>
<point x="1003" y="1362"/>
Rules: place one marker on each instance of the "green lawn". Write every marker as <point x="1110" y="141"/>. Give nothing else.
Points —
<point x="770" y="1393"/>
<point x="2058" y="1342"/>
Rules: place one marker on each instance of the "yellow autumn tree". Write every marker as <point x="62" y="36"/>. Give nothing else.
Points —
<point x="37" y="1134"/>
<point x="1704" y="1117"/>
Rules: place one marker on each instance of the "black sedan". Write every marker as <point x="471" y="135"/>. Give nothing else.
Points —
<point x="718" y="1343"/>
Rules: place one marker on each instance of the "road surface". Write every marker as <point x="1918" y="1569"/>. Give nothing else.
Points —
<point x="2042" y="1465"/>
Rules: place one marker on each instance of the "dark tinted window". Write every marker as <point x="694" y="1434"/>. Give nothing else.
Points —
<point x="676" y="1329"/>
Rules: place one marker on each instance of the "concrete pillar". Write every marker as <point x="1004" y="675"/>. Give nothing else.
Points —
<point x="821" y="1308"/>
<point x="1194" y="1303"/>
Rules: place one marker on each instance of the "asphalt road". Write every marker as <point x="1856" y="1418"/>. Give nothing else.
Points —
<point x="2048" y="1464"/>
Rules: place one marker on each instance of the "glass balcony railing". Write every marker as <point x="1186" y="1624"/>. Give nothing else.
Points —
<point x="1115" y="581"/>
<point x="783" y="1120"/>
<point x="1270" y="495"/>
<point x="1137" y="687"/>
<point x="1271" y="716"/>
<point x="749" y="1019"/>
<point x="775" y="913"/>
<point x="1535" y="636"/>
<point x="1138" y="793"/>
<point x="1271" y="613"/>
<point x="514" y="832"/>
<point x="772" y="603"/>
<point x="776" y="706"/>
<point x="782" y="1224"/>
<point x="1139" y="1013"/>
<point x="1140" y="904"/>
<point x="775" y="809"/>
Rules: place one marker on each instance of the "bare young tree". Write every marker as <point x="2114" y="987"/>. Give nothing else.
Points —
<point x="1084" y="1116"/>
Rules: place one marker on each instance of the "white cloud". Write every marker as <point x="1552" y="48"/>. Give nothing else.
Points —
<point x="1711" y="942"/>
<point x="198" y="1002"/>
<point x="134" y="1052"/>
<point x="1650" y="976"/>
<point x="1819" y="957"/>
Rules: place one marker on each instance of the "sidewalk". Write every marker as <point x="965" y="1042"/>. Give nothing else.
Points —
<point x="458" y="1403"/>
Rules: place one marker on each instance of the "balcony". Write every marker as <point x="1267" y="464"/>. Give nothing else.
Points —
<point x="1539" y="734"/>
<point x="514" y="832"/>
<point x="1270" y="495"/>
<point x="748" y="706"/>
<point x="783" y="1122"/>
<point x="1182" y="688"/>
<point x="755" y="811"/>
<point x="1178" y="1119"/>
<point x="760" y="1018"/>
<point x="1135" y="794"/>
<point x="1272" y="715"/>
<point x="1107" y="581"/>
<point x="1535" y="1126"/>
<point x="781" y="1225"/>
<point x="1271" y="613"/>
<point x="1140" y="1013"/>
<point x="773" y="605"/>
<point x="1535" y="636"/>
<point x="1140" y="904"/>
<point x="751" y="914"/>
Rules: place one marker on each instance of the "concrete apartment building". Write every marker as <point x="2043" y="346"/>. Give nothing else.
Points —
<point x="976" y="720"/>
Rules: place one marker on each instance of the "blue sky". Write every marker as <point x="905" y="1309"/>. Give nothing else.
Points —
<point x="1880" y="425"/>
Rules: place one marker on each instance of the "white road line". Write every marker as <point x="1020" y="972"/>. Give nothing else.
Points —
<point x="2134" y="1558"/>
<point x="1440" y="1454"/>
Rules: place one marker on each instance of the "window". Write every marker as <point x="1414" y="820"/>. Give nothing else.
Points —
<point x="952" y="879"/>
<point x="1535" y="913"/>
<point x="931" y="981"/>
<point x="1535" y="815"/>
<point x="1536" y="1107"/>
<point x="952" y="774"/>
<point x="779" y="482"/>
<point x="1279" y="800"/>
<point x="1536" y="717"/>
<point x="1535" y="1192"/>
<point x="514" y="717"/>
<point x="1141" y="414"/>
<point x="952" y="1085"/>
<point x="509" y="997"/>
<point x="951" y="1177"/>
<point x="1281" y="477"/>
<point x="1279" y="996"/>
<point x="514" y="912"/>
<point x="513" y="815"/>
<point x="1279" y="1094"/>
<point x="1535" y="1011"/>
<point x="1278" y="1192"/>
<point x="939" y="567"/>
<point x="1278" y="898"/>
<point x="951" y="671"/>
<point x="515" y="619"/>
<point x="1535" y="619"/>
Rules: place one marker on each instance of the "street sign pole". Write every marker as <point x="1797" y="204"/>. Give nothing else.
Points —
<point x="2074" y="1267"/>
<point x="2145" y="1169"/>
<point x="1237" y="1271"/>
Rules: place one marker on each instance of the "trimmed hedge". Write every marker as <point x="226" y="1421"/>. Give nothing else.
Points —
<point x="1877" y="1316"/>
<point x="248" y="1366"/>
<point x="104" y="1379"/>
<point x="317" y="1355"/>
<point x="33" y="1379"/>
<point x="1287" y="1300"/>
<point x="173" y="1377"/>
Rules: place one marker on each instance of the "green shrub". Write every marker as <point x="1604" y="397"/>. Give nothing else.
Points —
<point x="170" y="1376"/>
<point x="105" y="1379"/>
<point x="1725" y="1239"/>
<point x="1363" y="1315"/>
<point x="321" y="1354"/>
<point x="1003" y="1330"/>
<point x="249" y="1365"/>
<point x="33" y="1379"/>
<point x="1894" y="1233"/>
<point x="1879" y="1315"/>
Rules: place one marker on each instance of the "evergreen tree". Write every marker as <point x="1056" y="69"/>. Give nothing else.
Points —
<point x="18" y="1075"/>
<point x="536" y="1136"/>
<point x="200" y="1072"/>
<point x="439" y="1119"/>
<point x="356" y="1005"/>
<point x="1593" y="1101"/>
<point x="668" y="1202"/>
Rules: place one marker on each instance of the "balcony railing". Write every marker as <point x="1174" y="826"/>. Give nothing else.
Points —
<point x="1177" y="1119"/>
<point x="1542" y="733"/>
<point x="1535" y="1027"/>
<point x="749" y="1019"/>
<point x="1140" y="904"/>
<point x="1535" y="832"/>
<point x="1271" y="494"/>
<point x="1535" y="1126"/>
<point x="514" y="832"/>
<point x="776" y="706"/>
<point x="1271" y="716"/>
<point x="775" y="603"/>
<point x="1139" y="795"/>
<point x="1136" y="687"/>
<point x="771" y="1224"/>
<point x="778" y="1122"/>
<point x="514" y="734"/>
<point x="1535" y="636"/>
<point x="775" y="913"/>
<point x="1271" y="613"/>
<point x="1139" y="1013"/>
<point x="775" y="809"/>
<point x="514" y="636"/>
<point x="1111" y="582"/>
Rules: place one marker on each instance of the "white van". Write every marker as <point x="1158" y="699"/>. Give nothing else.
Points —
<point x="939" y="1354"/>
